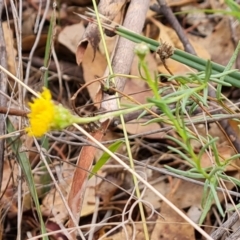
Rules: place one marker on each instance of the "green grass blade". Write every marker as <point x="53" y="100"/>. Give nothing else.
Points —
<point x="234" y="7"/>
<point x="185" y="173"/>
<point x="23" y="161"/>
<point x="105" y="157"/>
<point x="48" y="48"/>
<point x="206" y="202"/>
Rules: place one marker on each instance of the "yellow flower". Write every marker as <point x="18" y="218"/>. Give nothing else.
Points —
<point x="45" y="115"/>
<point x="41" y="115"/>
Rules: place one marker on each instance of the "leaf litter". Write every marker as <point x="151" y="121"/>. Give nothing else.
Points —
<point x="211" y="38"/>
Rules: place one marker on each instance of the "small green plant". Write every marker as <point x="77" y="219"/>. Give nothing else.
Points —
<point x="189" y="92"/>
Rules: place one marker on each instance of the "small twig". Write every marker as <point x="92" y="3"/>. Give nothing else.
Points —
<point x="13" y="111"/>
<point x="225" y="226"/>
<point x="168" y="14"/>
<point x="132" y="116"/>
<point x="235" y="235"/>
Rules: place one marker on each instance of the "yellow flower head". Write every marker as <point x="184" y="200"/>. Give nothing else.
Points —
<point x="41" y="115"/>
<point x="45" y="115"/>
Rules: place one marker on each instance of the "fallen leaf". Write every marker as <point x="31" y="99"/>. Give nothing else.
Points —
<point x="93" y="69"/>
<point x="78" y="185"/>
<point x="70" y="36"/>
<point x="109" y="9"/>
<point x="173" y="226"/>
<point x="218" y="44"/>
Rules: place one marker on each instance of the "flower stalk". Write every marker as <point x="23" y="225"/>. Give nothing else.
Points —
<point x="45" y="115"/>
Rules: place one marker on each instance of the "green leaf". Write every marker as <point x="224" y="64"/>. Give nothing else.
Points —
<point x="105" y="157"/>
<point x="185" y="173"/>
<point x="234" y="7"/>
<point x="206" y="201"/>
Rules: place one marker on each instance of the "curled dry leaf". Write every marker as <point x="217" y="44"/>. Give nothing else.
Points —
<point x="93" y="37"/>
<point x="108" y="8"/>
<point x="70" y="36"/>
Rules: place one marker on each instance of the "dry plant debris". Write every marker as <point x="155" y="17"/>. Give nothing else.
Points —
<point x="106" y="206"/>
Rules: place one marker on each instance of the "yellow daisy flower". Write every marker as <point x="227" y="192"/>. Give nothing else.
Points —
<point x="45" y="115"/>
<point x="41" y="115"/>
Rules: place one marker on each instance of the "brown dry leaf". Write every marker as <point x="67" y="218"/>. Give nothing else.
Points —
<point x="181" y="195"/>
<point x="93" y="69"/>
<point x="127" y="232"/>
<point x="213" y="130"/>
<point x="70" y="36"/>
<point x="173" y="226"/>
<point x="85" y="159"/>
<point x="200" y="50"/>
<point x="225" y="150"/>
<point x="235" y="126"/>
<point x="186" y="200"/>
<point x="108" y="8"/>
<point x="110" y="42"/>
<point x="91" y="36"/>
<point x="198" y="19"/>
<point x="219" y="44"/>
<point x="137" y="127"/>
<point x="151" y="197"/>
<point x="174" y="66"/>
<point x="28" y="41"/>
<point x="53" y="205"/>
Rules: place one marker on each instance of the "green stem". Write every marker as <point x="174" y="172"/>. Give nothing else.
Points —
<point x="181" y="56"/>
<point x="85" y="120"/>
